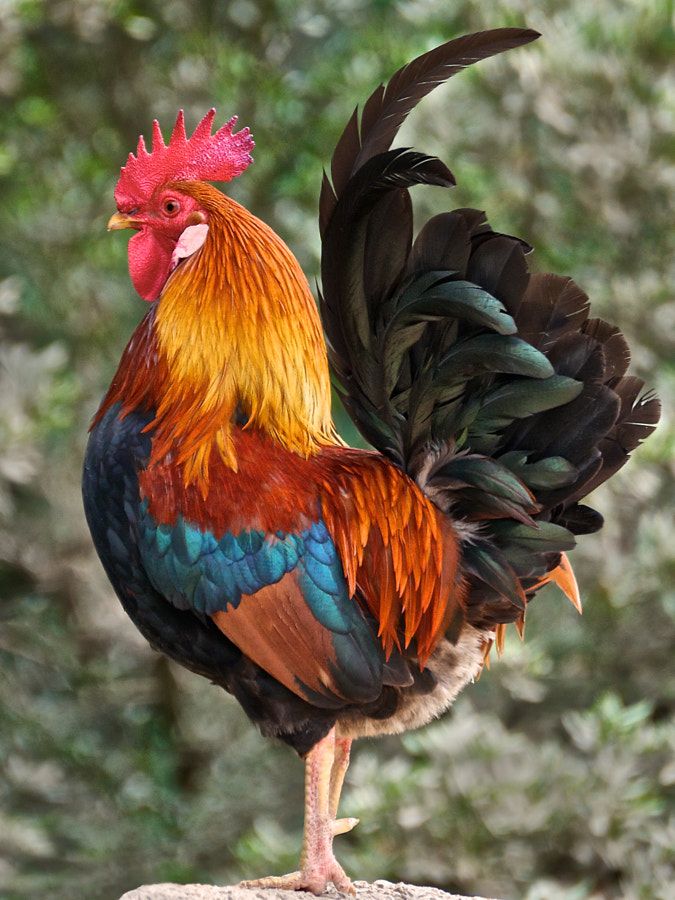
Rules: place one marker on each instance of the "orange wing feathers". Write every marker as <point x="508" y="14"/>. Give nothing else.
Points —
<point x="277" y="630"/>
<point x="399" y="553"/>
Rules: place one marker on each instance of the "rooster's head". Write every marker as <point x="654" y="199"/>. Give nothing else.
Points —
<point x="171" y="224"/>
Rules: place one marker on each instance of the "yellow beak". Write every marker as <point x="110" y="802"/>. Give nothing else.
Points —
<point x="120" y="221"/>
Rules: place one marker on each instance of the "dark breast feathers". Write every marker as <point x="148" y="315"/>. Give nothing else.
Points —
<point x="116" y="452"/>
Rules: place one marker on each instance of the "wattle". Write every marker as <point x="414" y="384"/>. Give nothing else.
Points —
<point x="150" y="262"/>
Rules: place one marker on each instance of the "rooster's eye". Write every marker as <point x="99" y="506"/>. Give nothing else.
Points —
<point x="171" y="206"/>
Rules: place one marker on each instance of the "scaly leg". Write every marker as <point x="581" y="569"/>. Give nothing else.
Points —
<point x="318" y="865"/>
<point x="343" y="748"/>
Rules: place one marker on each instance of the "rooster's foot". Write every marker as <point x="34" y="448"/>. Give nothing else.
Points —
<point x="314" y="879"/>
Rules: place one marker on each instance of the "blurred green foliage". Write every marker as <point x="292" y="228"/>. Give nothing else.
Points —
<point x="554" y="776"/>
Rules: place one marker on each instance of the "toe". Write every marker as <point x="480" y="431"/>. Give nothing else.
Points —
<point x="274" y="882"/>
<point x="342" y="882"/>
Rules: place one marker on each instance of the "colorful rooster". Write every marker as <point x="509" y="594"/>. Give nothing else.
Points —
<point x="340" y="592"/>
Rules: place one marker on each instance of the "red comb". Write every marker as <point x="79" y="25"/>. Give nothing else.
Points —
<point x="203" y="157"/>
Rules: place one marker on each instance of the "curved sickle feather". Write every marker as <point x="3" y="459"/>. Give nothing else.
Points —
<point x="388" y="106"/>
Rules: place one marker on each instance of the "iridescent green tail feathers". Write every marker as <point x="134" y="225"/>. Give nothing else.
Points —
<point x="489" y="385"/>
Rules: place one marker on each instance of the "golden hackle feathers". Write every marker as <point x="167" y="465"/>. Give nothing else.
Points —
<point x="227" y="326"/>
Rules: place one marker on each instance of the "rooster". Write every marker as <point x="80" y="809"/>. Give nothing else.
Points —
<point x="338" y="592"/>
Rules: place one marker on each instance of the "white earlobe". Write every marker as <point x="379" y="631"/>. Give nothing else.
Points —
<point x="189" y="242"/>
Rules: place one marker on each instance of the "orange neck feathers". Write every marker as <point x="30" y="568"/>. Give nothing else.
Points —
<point x="236" y="330"/>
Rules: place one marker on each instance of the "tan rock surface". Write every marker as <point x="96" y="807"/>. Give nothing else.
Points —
<point x="378" y="890"/>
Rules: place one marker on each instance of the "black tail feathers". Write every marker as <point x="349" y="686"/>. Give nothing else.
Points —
<point x="489" y="385"/>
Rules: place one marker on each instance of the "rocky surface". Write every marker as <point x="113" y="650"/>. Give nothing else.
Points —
<point x="378" y="890"/>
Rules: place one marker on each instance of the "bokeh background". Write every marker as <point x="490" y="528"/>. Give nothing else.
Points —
<point x="554" y="776"/>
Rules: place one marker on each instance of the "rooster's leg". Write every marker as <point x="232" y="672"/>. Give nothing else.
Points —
<point x="318" y="865"/>
<point x="337" y="776"/>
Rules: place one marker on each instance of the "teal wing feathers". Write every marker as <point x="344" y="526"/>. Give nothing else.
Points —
<point x="282" y="598"/>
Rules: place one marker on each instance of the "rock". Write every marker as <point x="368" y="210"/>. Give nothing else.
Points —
<point x="378" y="890"/>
